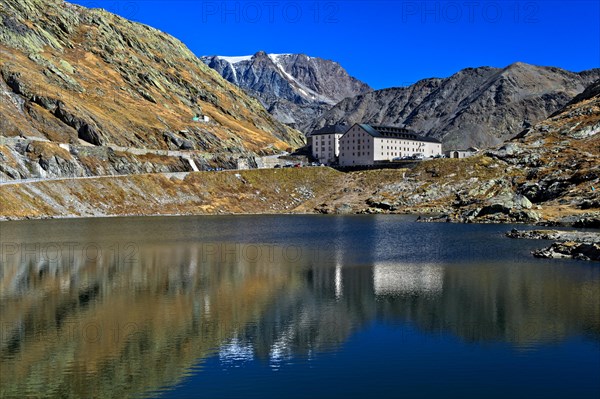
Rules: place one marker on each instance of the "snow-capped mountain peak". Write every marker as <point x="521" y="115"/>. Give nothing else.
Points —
<point x="295" y="88"/>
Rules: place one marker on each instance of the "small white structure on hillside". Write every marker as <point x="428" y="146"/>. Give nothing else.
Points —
<point x="325" y="143"/>
<point x="201" y="118"/>
<point x="461" y="153"/>
<point x="364" y="144"/>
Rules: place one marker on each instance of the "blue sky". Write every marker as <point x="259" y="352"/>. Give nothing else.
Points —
<point x="383" y="43"/>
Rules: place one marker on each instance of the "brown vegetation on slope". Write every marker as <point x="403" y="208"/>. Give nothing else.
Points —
<point x="70" y="74"/>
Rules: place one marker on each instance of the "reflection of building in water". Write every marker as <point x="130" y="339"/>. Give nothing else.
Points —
<point x="339" y="279"/>
<point x="339" y="283"/>
<point x="407" y="279"/>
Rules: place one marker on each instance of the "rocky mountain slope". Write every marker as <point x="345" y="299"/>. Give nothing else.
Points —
<point x="549" y="174"/>
<point x="87" y="77"/>
<point x="295" y="88"/>
<point x="479" y="107"/>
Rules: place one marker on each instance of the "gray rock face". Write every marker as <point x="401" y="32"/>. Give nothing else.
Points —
<point x="475" y="107"/>
<point x="26" y="159"/>
<point x="295" y="88"/>
<point x="517" y="207"/>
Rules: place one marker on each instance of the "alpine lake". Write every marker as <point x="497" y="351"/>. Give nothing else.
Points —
<point x="291" y="306"/>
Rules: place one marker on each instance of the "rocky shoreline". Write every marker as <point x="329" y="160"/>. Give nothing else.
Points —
<point x="580" y="245"/>
<point x="294" y="190"/>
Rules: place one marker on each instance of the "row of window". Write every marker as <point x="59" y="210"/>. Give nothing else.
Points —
<point x="357" y="154"/>
<point x="396" y="148"/>
<point x="401" y="142"/>
<point x="389" y="142"/>
<point x="407" y="150"/>
<point x="389" y="154"/>
<point x="353" y="148"/>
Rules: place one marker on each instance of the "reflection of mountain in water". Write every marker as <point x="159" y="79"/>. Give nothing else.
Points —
<point x="112" y="329"/>
<point x="519" y="304"/>
<point x="89" y="327"/>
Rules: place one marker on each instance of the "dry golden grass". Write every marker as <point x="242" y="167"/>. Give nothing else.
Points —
<point x="253" y="191"/>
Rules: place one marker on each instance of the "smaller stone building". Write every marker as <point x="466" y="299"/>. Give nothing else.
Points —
<point x="325" y="143"/>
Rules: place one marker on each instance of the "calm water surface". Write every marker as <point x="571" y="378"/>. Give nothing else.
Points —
<point x="291" y="306"/>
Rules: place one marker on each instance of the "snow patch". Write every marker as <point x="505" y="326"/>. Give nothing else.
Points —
<point x="236" y="59"/>
<point x="276" y="56"/>
<point x="299" y="86"/>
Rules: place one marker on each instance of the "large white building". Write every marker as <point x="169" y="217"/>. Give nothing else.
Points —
<point x="325" y="143"/>
<point x="364" y="144"/>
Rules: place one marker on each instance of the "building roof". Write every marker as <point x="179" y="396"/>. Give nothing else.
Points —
<point x="395" y="132"/>
<point x="330" y="129"/>
<point x="470" y="149"/>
